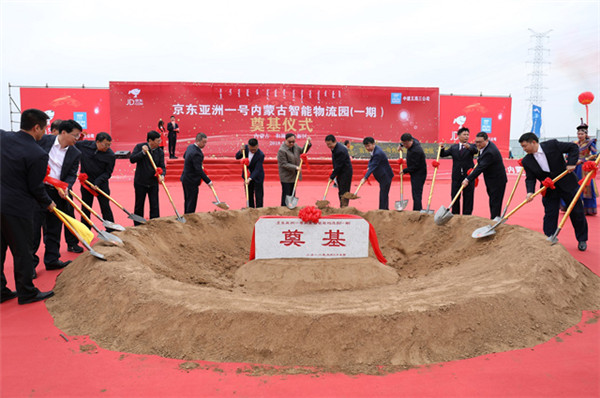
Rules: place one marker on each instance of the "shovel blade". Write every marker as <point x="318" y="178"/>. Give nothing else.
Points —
<point x="401" y="204"/>
<point x="482" y="232"/>
<point x="181" y="219"/>
<point x="553" y="239"/>
<point x="221" y="205"/>
<point x="442" y="216"/>
<point x="112" y="225"/>
<point x="291" y="202"/>
<point x="97" y="255"/>
<point x="108" y="237"/>
<point x="137" y="218"/>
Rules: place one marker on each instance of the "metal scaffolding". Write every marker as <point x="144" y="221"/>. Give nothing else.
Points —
<point x="536" y="87"/>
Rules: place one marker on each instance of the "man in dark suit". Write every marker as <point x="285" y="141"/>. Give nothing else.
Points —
<point x="145" y="180"/>
<point x="98" y="162"/>
<point x="379" y="166"/>
<point x="256" y="172"/>
<point x="193" y="173"/>
<point x="462" y="161"/>
<point x="491" y="165"/>
<point x="64" y="163"/>
<point x="546" y="160"/>
<point x="173" y="129"/>
<point x="416" y="166"/>
<point x="342" y="167"/>
<point x="22" y="168"/>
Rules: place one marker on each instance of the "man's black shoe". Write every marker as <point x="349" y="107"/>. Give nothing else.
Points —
<point x="38" y="297"/>
<point x="57" y="265"/>
<point x="582" y="246"/>
<point x="75" y="249"/>
<point x="7" y="295"/>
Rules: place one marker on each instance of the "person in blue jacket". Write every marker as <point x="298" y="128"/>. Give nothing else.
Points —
<point x="379" y="166"/>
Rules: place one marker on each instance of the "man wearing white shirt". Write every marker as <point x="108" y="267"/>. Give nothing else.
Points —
<point x="546" y="160"/>
<point x="64" y="163"/>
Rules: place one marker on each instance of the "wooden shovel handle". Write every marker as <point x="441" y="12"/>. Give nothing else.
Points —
<point x="107" y="196"/>
<point x="434" y="175"/>
<point x="327" y="189"/>
<point x="539" y="191"/>
<point x="84" y="204"/>
<point x="576" y="197"/>
<point x="299" y="167"/>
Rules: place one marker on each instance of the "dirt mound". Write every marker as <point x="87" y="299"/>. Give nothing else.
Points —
<point x="188" y="291"/>
<point x="305" y="276"/>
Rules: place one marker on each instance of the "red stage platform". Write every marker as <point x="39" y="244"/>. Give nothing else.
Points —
<point x="37" y="361"/>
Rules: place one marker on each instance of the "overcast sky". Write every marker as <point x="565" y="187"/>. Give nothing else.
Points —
<point x="462" y="47"/>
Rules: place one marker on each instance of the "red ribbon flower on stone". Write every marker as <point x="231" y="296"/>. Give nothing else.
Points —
<point x="310" y="214"/>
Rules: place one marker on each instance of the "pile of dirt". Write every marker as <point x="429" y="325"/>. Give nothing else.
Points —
<point x="188" y="291"/>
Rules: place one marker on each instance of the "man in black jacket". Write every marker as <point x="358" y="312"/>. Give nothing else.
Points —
<point x="416" y="166"/>
<point x="98" y="162"/>
<point x="546" y="160"/>
<point x="462" y="161"/>
<point x="64" y="163"/>
<point x="379" y="166"/>
<point x="173" y="128"/>
<point x="342" y="167"/>
<point x="22" y="168"/>
<point x="491" y="165"/>
<point x="256" y="172"/>
<point x="193" y="173"/>
<point x="145" y="180"/>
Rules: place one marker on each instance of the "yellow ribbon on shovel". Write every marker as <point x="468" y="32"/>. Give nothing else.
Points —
<point x="78" y="226"/>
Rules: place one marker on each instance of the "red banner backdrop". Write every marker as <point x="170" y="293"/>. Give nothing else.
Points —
<point x="89" y="106"/>
<point x="489" y="114"/>
<point x="232" y="113"/>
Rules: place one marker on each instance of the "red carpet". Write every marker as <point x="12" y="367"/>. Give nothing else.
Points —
<point x="37" y="362"/>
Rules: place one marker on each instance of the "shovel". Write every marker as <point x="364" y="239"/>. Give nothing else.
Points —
<point x="553" y="239"/>
<point x="512" y="193"/>
<point x="443" y="215"/>
<point x="432" y="183"/>
<point x="131" y="216"/>
<point x="105" y="223"/>
<point x="179" y="218"/>
<point x="491" y="229"/>
<point x="350" y="195"/>
<point x="105" y="236"/>
<point x="83" y="242"/>
<point x="291" y="201"/>
<point x="402" y="203"/>
<point x="321" y="204"/>
<point x="218" y="203"/>
<point x="245" y="179"/>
